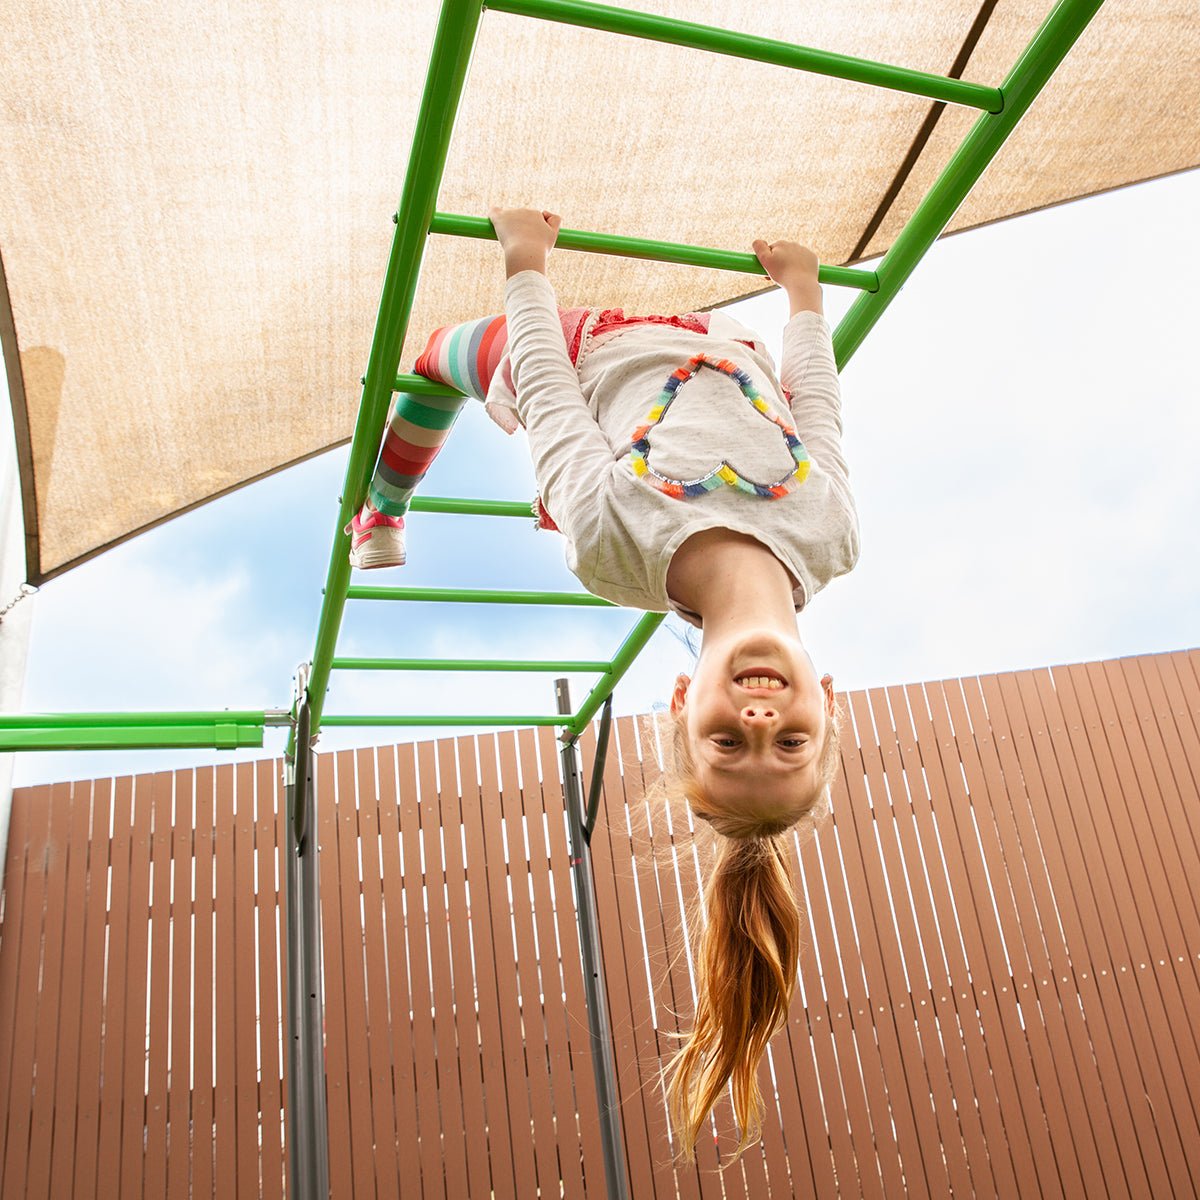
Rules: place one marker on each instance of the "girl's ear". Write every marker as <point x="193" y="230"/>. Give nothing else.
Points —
<point x="827" y="687"/>
<point x="679" y="695"/>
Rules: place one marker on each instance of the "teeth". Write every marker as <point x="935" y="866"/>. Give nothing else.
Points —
<point x="759" y="681"/>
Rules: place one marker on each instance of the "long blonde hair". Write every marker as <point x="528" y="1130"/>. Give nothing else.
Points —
<point x="748" y="955"/>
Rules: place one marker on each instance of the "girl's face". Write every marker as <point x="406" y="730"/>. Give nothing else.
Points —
<point x="755" y="714"/>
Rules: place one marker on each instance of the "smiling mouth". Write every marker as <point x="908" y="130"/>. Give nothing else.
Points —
<point x="758" y="679"/>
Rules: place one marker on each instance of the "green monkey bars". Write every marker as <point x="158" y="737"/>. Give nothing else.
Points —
<point x="417" y="217"/>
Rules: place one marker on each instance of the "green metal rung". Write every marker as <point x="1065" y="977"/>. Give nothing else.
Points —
<point x="148" y="720"/>
<point x="474" y="508"/>
<point x="458" y="225"/>
<point x="567" y="666"/>
<point x="759" y="49"/>
<point x="220" y="736"/>
<point x="475" y="596"/>
<point x="387" y="719"/>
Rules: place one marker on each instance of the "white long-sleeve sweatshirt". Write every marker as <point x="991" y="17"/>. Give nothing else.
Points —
<point x="621" y="530"/>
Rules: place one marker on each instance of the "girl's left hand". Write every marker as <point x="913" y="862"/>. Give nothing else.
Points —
<point x="526" y="236"/>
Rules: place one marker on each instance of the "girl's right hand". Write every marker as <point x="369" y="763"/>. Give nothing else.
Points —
<point x="794" y="267"/>
<point x="526" y="236"/>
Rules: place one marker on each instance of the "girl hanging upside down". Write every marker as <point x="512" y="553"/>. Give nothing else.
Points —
<point x="687" y="476"/>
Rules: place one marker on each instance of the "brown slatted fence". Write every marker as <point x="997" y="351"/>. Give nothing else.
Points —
<point x="998" y="995"/>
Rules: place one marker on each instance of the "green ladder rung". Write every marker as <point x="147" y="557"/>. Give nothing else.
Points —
<point x="759" y="49"/>
<point x="474" y="596"/>
<point x="565" y="666"/>
<point x="458" y="225"/>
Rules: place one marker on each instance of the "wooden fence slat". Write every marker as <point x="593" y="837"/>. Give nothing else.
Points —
<point x="225" y="990"/>
<point x="268" y="854"/>
<point x="158" y="1042"/>
<point x="244" y="1032"/>
<point x="408" y="1145"/>
<point x="81" y="1161"/>
<point x="179" y="1097"/>
<point x="505" y="948"/>
<point x="379" y="1017"/>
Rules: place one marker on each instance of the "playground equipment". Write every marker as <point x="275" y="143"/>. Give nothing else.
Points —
<point x="1000" y="109"/>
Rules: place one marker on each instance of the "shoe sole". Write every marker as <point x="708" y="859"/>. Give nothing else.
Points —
<point x="365" y="558"/>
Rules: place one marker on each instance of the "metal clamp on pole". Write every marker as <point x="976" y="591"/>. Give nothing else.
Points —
<point x="307" y="1122"/>
<point x="599" y="1026"/>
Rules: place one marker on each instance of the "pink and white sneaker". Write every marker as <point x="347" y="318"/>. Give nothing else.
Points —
<point x="376" y="540"/>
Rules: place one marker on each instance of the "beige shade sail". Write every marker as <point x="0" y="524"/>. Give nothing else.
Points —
<point x="196" y="201"/>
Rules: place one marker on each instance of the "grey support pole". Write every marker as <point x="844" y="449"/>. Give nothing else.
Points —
<point x="307" y="1124"/>
<point x="599" y="1028"/>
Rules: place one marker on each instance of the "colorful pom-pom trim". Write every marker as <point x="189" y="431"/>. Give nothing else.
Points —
<point x="725" y="473"/>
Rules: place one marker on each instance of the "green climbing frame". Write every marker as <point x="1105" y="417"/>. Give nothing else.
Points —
<point x="417" y="217"/>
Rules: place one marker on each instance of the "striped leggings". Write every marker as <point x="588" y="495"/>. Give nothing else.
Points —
<point x="418" y="429"/>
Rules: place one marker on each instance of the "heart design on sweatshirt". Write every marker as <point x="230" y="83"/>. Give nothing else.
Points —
<point x="724" y="474"/>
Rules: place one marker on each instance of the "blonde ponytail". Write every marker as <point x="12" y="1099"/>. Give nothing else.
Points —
<point x="746" y="975"/>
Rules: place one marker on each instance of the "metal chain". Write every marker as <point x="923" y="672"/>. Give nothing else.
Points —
<point x="26" y="589"/>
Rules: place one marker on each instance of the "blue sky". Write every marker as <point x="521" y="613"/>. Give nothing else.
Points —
<point x="1022" y="429"/>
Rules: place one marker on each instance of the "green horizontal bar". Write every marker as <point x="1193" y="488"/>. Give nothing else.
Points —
<point x="365" y="720"/>
<point x="474" y="596"/>
<point x="464" y="664"/>
<point x="745" y="45"/>
<point x="630" y="648"/>
<point x="131" y="737"/>
<point x="458" y="225"/>
<point x="418" y="385"/>
<point x="474" y="508"/>
<point x="147" y="720"/>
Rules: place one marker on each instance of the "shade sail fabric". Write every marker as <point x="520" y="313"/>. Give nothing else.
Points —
<point x="196" y="201"/>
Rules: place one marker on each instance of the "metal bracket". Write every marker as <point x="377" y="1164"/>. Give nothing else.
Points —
<point x="594" y="789"/>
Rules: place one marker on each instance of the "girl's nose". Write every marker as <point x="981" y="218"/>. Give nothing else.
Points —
<point x="757" y="713"/>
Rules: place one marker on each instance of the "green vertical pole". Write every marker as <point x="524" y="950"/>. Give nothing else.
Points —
<point x="1029" y="75"/>
<point x="452" y="45"/>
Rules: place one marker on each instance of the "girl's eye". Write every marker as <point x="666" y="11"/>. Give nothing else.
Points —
<point x="726" y="743"/>
<point x="791" y="743"/>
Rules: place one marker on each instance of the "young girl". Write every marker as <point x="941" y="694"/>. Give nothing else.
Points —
<point x="686" y="476"/>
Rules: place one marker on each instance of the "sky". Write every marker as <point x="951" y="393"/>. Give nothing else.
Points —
<point x="1022" y="428"/>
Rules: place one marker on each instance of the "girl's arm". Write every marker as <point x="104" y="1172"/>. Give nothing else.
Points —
<point x="570" y="454"/>
<point x="808" y="371"/>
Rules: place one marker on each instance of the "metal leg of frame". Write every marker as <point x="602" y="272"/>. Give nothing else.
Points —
<point x="307" y="1124"/>
<point x="599" y="1027"/>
